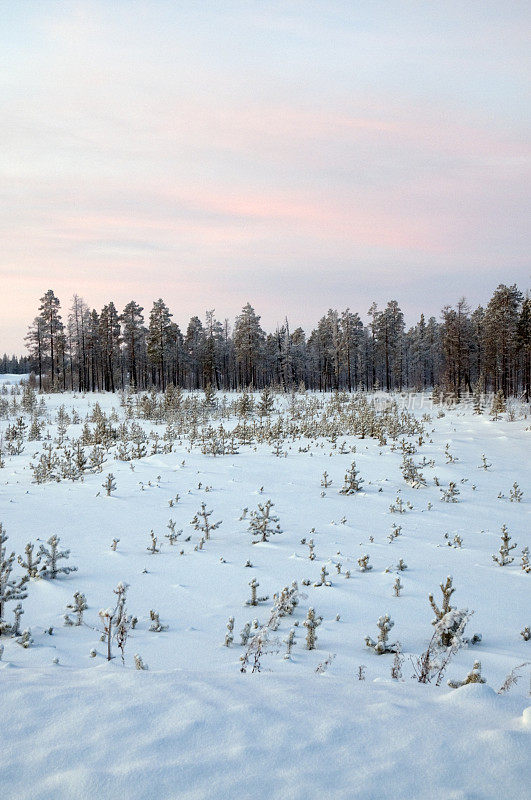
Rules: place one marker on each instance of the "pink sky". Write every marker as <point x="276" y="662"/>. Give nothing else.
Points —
<point x="296" y="155"/>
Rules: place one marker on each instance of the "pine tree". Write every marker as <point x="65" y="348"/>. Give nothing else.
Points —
<point x="110" y="345"/>
<point x="352" y="483"/>
<point x="261" y="522"/>
<point x="503" y="558"/>
<point x="36" y="346"/>
<point x="52" y="327"/>
<point x="52" y="555"/>
<point x="10" y="588"/>
<point x="381" y="646"/>
<point x="159" y="338"/>
<point x="248" y="343"/>
<point x="31" y="563"/>
<point x="501" y="321"/>
<point x="133" y="336"/>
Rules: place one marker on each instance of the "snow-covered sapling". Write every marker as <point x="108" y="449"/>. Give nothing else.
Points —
<point x="25" y="640"/>
<point x="450" y="495"/>
<point x="363" y="562"/>
<point x="325" y="480"/>
<point x="109" y="484"/>
<point x="10" y="589"/>
<point x="311" y="547"/>
<point x="323" y="578"/>
<point x="484" y="463"/>
<point x="78" y="606"/>
<point x="261" y="522"/>
<point x="139" y="664"/>
<point x="474" y="676"/>
<point x="447" y="591"/>
<point x="526" y="633"/>
<point x="503" y="558"/>
<point x="498" y="404"/>
<point x="516" y="493"/>
<point x="229" y="636"/>
<point x="32" y="561"/>
<point x="106" y="617"/>
<point x="381" y="646"/>
<point x="397" y="586"/>
<point x="245" y="633"/>
<point x="526" y="566"/>
<point x="114" y="544"/>
<point x="411" y="473"/>
<point x="449" y="457"/>
<point x="254" y="598"/>
<point x="311" y="623"/>
<point x="115" y="622"/>
<point x="286" y="601"/>
<point x="51" y="556"/>
<point x="202" y="523"/>
<point x="289" y="641"/>
<point x="398" y="506"/>
<point x="173" y="534"/>
<point x="152" y="548"/>
<point x="396" y="530"/>
<point x="396" y="666"/>
<point x="17" y="613"/>
<point x="156" y="625"/>
<point x="352" y="482"/>
<point x="123" y="623"/>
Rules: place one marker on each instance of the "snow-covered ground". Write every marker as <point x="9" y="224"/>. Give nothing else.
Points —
<point x="195" y="726"/>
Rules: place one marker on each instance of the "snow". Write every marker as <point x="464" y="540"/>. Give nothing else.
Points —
<point x="193" y="725"/>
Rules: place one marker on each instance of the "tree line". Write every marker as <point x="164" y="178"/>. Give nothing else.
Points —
<point x="14" y="365"/>
<point x="107" y="351"/>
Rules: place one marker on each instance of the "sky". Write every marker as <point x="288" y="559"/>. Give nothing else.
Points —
<point x="299" y="155"/>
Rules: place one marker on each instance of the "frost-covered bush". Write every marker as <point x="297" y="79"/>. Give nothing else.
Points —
<point x="156" y="625"/>
<point x="433" y="662"/>
<point x="363" y="562"/>
<point x="139" y="664"/>
<point x="474" y="676"/>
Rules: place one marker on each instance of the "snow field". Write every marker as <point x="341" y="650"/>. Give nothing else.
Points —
<point x="193" y="725"/>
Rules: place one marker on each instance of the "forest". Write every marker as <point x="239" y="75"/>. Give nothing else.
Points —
<point x="485" y="348"/>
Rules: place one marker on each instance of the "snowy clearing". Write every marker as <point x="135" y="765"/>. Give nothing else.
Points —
<point x="193" y="725"/>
